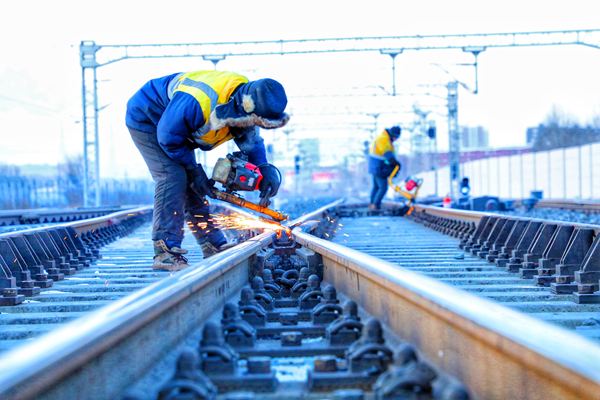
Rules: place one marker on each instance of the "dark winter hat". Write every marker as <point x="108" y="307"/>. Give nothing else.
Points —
<point x="395" y="131"/>
<point x="261" y="103"/>
<point x="267" y="99"/>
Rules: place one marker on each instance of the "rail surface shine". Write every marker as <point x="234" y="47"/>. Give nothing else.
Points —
<point x="410" y="245"/>
<point x="459" y="332"/>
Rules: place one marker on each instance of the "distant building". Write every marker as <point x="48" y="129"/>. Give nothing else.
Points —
<point x="532" y="134"/>
<point x="474" y="137"/>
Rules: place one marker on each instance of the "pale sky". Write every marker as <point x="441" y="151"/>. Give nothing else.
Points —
<point x="40" y="77"/>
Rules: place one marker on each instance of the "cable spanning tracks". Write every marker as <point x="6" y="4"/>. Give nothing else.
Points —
<point x="246" y="319"/>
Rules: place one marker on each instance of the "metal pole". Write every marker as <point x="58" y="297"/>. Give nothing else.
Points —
<point x="489" y="171"/>
<point x="454" y="140"/>
<point x="91" y="150"/>
<point x="392" y="53"/>
<point x="510" y="176"/>
<point x="564" y="172"/>
<point x="549" y="176"/>
<point x="522" y="175"/>
<point x="476" y="53"/>
<point x="534" y="172"/>
<point x="394" y="72"/>
<point x="498" y="158"/>
<point x="86" y="187"/>
<point x="97" y="147"/>
<point x="481" y="174"/>
<point x="580" y="179"/>
<point x="591" y="174"/>
<point x="435" y="163"/>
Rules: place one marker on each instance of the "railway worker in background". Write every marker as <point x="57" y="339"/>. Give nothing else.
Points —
<point x="382" y="161"/>
<point x="171" y="116"/>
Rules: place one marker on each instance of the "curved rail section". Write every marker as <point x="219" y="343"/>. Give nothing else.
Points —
<point x="497" y="352"/>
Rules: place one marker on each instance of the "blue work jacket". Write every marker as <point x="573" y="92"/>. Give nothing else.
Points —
<point x="176" y="106"/>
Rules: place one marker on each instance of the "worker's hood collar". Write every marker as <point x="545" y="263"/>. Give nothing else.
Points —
<point x="261" y="103"/>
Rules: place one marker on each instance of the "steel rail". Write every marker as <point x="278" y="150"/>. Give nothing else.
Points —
<point x="465" y="335"/>
<point x="566" y="204"/>
<point x="42" y="216"/>
<point x="86" y="224"/>
<point x="497" y="352"/>
<point x="31" y="371"/>
<point x="160" y="314"/>
<point x="476" y="216"/>
<point x="304" y="218"/>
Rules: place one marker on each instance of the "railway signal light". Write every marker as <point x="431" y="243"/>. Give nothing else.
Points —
<point x="297" y="164"/>
<point x="464" y="187"/>
<point x="431" y="132"/>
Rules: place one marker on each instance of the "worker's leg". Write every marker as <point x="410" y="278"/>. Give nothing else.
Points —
<point x="381" y="190"/>
<point x="171" y="186"/>
<point x="197" y="215"/>
<point x="374" y="190"/>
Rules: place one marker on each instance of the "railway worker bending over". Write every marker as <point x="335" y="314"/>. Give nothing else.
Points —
<point x="382" y="161"/>
<point x="171" y="116"/>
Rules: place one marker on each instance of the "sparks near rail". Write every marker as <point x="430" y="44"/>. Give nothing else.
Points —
<point x="238" y="222"/>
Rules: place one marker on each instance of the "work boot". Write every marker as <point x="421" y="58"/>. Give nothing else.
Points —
<point x="209" y="250"/>
<point x="169" y="259"/>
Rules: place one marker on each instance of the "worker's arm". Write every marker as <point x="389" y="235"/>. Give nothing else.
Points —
<point x="249" y="141"/>
<point x="182" y="116"/>
<point x="385" y="148"/>
<point x="391" y="159"/>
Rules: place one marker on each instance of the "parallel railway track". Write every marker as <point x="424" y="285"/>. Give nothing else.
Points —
<point x="400" y="241"/>
<point x="131" y="345"/>
<point x="52" y="215"/>
<point x="566" y="204"/>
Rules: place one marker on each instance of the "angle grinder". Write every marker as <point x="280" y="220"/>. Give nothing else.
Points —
<point x="235" y="173"/>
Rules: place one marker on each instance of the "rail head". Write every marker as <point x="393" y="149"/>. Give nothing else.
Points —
<point x="550" y="351"/>
<point x="476" y="216"/>
<point x="565" y="204"/>
<point x="86" y="225"/>
<point x="32" y="368"/>
<point x="50" y="215"/>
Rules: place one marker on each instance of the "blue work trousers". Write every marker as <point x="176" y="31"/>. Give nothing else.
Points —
<point x="174" y="199"/>
<point x="380" y="187"/>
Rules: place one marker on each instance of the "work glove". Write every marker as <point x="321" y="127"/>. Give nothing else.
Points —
<point x="269" y="184"/>
<point x="200" y="183"/>
<point x="393" y="162"/>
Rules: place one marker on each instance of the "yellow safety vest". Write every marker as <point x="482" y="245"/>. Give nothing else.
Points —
<point x="209" y="88"/>
<point x="381" y="145"/>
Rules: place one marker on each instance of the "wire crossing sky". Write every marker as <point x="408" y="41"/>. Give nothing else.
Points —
<point x="40" y="84"/>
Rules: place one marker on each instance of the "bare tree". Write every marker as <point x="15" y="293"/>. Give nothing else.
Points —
<point x="562" y="130"/>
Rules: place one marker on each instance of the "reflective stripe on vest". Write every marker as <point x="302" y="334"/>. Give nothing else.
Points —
<point x="381" y="145"/>
<point x="209" y="88"/>
<point x="173" y="85"/>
